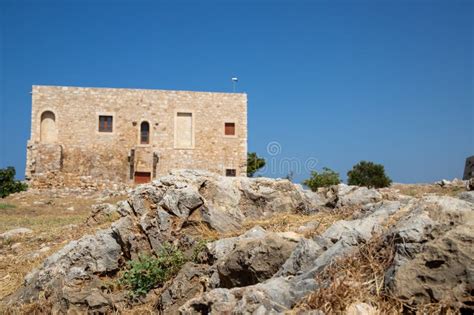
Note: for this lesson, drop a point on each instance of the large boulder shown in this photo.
(254, 260)
(77, 263)
(302, 257)
(434, 259)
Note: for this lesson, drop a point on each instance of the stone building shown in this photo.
(134, 135)
(469, 168)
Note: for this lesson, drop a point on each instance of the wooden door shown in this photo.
(142, 177)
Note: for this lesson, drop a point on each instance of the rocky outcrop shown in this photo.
(253, 261)
(160, 212)
(434, 259)
(259, 271)
(192, 281)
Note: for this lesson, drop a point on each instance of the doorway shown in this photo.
(142, 177)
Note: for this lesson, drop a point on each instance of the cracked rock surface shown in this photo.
(260, 271)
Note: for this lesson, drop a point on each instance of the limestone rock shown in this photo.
(302, 258)
(364, 227)
(468, 196)
(253, 261)
(343, 195)
(191, 282)
(219, 249)
(15, 233)
(162, 211)
(102, 213)
(78, 260)
(434, 254)
(274, 296)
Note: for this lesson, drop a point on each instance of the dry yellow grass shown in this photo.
(281, 222)
(419, 190)
(53, 226)
(354, 279)
(359, 278)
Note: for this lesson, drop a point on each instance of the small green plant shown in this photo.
(6, 206)
(368, 174)
(8, 184)
(324, 179)
(254, 163)
(148, 272)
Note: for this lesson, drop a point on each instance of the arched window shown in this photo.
(144, 133)
(48, 132)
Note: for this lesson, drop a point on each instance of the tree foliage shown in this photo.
(254, 163)
(368, 174)
(326, 178)
(8, 184)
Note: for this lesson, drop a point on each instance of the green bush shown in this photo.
(324, 179)
(148, 272)
(254, 163)
(368, 174)
(8, 184)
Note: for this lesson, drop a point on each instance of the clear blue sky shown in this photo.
(338, 81)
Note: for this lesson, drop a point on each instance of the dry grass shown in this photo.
(359, 278)
(419, 190)
(284, 222)
(54, 223)
(281, 222)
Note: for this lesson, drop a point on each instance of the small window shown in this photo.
(144, 133)
(230, 172)
(105, 123)
(229, 129)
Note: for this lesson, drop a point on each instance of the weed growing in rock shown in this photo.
(148, 272)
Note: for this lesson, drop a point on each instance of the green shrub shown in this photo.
(148, 272)
(368, 174)
(324, 179)
(254, 163)
(8, 184)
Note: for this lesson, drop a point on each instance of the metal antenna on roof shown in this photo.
(234, 83)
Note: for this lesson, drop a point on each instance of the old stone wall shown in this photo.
(68, 118)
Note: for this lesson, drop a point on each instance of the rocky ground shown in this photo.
(250, 246)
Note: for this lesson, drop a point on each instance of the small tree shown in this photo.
(254, 163)
(324, 179)
(8, 184)
(368, 174)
